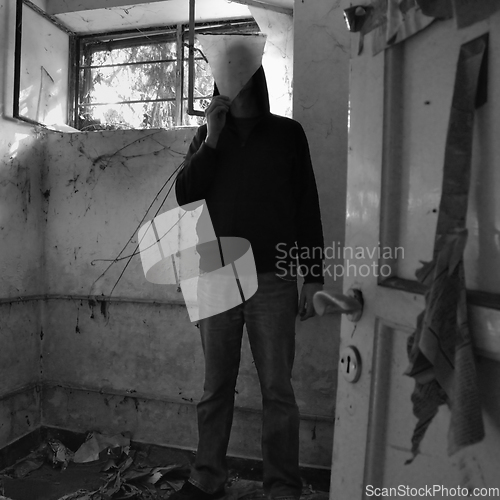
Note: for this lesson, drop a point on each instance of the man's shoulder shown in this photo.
(285, 122)
(283, 119)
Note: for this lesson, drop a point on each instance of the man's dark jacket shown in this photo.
(262, 189)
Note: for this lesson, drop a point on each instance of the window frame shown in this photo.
(83, 44)
(18, 59)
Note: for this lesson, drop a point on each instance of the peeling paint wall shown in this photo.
(71, 203)
(21, 224)
(21, 250)
(320, 104)
(99, 187)
(278, 57)
(138, 344)
(129, 360)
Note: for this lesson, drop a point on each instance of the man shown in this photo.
(254, 171)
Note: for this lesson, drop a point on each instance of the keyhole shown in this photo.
(350, 364)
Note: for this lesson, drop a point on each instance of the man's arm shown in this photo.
(310, 240)
(198, 172)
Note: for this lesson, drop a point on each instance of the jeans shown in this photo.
(269, 316)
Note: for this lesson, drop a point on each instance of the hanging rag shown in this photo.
(440, 350)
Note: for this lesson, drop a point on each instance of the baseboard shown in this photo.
(13, 452)
(169, 423)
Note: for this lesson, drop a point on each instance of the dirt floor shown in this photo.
(134, 471)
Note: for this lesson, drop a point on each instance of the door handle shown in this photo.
(350, 304)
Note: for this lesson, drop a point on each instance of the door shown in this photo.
(400, 102)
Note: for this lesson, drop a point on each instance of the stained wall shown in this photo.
(93, 346)
(21, 254)
(121, 352)
(320, 104)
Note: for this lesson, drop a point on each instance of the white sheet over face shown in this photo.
(233, 59)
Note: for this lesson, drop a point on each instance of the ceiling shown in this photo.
(97, 16)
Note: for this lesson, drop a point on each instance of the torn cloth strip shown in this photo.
(440, 350)
(440, 9)
(468, 12)
(392, 21)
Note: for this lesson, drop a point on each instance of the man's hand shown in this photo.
(216, 118)
(306, 307)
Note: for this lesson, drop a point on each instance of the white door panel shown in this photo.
(400, 103)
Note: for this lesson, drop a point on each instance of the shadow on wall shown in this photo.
(22, 220)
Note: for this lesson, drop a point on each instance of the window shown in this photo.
(139, 79)
(41, 68)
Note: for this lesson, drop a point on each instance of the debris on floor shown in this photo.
(59, 453)
(124, 476)
(108, 468)
(96, 443)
